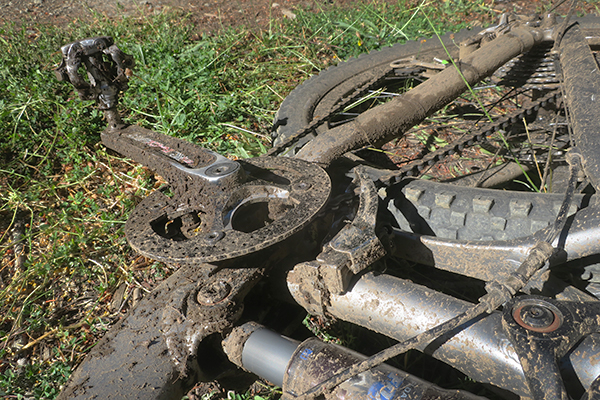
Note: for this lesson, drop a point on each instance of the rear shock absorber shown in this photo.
(297, 367)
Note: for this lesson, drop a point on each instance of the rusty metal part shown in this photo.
(378, 126)
(582, 96)
(401, 309)
(539, 348)
(217, 208)
(107, 77)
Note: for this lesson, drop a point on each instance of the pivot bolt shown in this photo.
(537, 317)
(213, 293)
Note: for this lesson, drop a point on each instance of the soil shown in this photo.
(209, 16)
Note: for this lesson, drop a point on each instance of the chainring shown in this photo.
(278, 198)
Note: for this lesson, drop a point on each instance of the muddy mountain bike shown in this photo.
(499, 285)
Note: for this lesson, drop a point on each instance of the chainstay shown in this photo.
(544, 77)
(415, 167)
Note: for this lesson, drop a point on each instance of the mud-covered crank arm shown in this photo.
(214, 210)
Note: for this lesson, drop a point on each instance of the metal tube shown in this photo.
(402, 309)
(267, 354)
(260, 351)
(297, 367)
(387, 121)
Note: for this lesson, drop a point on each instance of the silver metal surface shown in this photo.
(401, 309)
(267, 354)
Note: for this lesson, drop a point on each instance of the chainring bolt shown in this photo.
(213, 293)
(301, 186)
(214, 236)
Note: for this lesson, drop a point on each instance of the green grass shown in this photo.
(72, 196)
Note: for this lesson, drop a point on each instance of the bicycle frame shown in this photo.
(229, 224)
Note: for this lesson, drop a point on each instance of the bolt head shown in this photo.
(213, 293)
(537, 316)
(222, 169)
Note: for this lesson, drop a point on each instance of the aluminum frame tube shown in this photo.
(401, 309)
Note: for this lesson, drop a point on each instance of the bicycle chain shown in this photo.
(414, 167)
(543, 78)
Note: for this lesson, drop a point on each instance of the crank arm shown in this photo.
(174, 159)
(153, 352)
(215, 208)
(133, 358)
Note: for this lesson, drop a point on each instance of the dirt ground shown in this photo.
(209, 16)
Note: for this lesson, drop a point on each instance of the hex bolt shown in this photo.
(213, 293)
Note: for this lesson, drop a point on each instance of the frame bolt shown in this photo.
(537, 317)
(213, 293)
(222, 169)
(214, 236)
